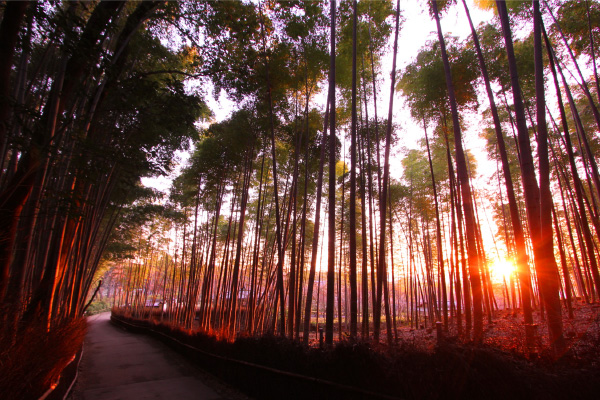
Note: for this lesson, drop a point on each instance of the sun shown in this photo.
(503, 267)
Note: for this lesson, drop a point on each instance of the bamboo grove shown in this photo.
(293, 214)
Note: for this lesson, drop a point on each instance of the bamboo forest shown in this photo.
(336, 199)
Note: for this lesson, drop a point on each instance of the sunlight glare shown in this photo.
(503, 268)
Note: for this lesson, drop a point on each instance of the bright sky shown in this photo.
(417, 29)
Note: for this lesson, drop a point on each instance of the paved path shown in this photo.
(117, 364)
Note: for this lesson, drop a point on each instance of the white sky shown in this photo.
(417, 29)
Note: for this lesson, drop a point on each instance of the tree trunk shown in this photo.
(280, 250)
(353, 285)
(315, 241)
(538, 209)
(382, 272)
(331, 208)
(548, 275)
(463, 181)
(236, 264)
(438, 227)
(523, 272)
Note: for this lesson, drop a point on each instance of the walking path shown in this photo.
(117, 364)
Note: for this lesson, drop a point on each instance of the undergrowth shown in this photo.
(454, 370)
(32, 360)
(98, 307)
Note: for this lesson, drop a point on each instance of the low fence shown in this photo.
(256, 380)
(66, 380)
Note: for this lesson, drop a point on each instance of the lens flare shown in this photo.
(503, 268)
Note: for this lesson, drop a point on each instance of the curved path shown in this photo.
(117, 364)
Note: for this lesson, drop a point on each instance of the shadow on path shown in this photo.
(117, 364)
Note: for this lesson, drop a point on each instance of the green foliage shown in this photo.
(418, 180)
(144, 120)
(492, 46)
(155, 115)
(221, 151)
(133, 223)
(232, 32)
(373, 32)
(587, 117)
(572, 17)
(98, 306)
(236, 40)
(341, 169)
(442, 5)
(423, 81)
(489, 134)
(520, 8)
(399, 195)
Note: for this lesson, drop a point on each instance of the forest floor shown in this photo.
(506, 332)
(419, 366)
